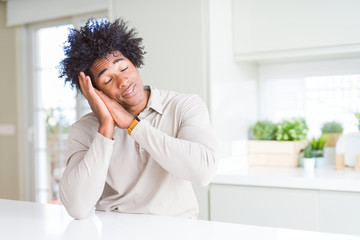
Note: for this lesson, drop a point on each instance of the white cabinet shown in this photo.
(316, 210)
(202, 196)
(300, 28)
(263, 206)
(339, 212)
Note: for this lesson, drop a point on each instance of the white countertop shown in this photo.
(320, 179)
(26, 220)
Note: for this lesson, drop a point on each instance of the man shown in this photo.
(140, 148)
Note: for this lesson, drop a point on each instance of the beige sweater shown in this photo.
(150, 171)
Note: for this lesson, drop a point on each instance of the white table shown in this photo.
(26, 220)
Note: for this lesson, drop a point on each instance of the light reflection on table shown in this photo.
(26, 220)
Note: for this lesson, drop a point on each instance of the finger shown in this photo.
(102, 95)
(86, 85)
(81, 77)
(105, 97)
(109, 102)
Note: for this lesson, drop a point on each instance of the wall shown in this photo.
(9, 177)
(24, 12)
(233, 85)
(174, 34)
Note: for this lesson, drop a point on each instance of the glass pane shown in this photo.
(55, 107)
(318, 99)
(49, 45)
(85, 107)
(51, 91)
(55, 110)
(332, 98)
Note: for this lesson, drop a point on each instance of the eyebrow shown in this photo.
(105, 69)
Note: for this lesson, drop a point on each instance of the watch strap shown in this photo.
(133, 124)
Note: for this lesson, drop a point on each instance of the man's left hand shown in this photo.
(122, 118)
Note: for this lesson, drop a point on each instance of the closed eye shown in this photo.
(108, 81)
(124, 69)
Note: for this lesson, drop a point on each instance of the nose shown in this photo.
(122, 82)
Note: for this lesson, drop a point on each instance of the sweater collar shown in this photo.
(154, 101)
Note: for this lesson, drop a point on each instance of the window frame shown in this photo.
(30, 91)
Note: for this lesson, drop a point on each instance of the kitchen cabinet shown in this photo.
(276, 207)
(280, 29)
(339, 212)
(202, 196)
(316, 210)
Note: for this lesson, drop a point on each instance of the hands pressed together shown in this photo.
(108, 111)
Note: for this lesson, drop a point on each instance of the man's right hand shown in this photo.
(98, 106)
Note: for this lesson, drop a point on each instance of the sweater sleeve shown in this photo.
(84, 178)
(191, 154)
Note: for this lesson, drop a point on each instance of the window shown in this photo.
(55, 110)
(332, 98)
(319, 98)
(55, 107)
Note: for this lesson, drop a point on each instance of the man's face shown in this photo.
(118, 78)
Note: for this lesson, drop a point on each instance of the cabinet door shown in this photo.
(275, 207)
(340, 212)
(202, 196)
(281, 28)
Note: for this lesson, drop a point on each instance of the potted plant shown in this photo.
(294, 129)
(308, 159)
(264, 130)
(277, 144)
(331, 131)
(318, 145)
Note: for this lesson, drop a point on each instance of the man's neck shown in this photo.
(139, 108)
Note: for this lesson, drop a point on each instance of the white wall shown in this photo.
(29, 11)
(175, 39)
(233, 85)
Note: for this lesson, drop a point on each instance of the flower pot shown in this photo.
(309, 164)
(331, 139)
(319, 162)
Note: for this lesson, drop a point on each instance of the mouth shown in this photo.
(130, 91)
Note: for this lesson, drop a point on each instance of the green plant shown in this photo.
(332, 127)
(292, 130)
(357, 115)
(264, 130)
(318, 146)
(308, 151)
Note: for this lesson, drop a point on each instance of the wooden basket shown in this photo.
(275, 153)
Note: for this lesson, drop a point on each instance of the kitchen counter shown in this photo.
(26, 220)
(320, 179)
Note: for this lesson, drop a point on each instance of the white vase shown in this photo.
(309, 164)
(348, 144)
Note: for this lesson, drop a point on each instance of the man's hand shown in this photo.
(122, 118)
(98, 106)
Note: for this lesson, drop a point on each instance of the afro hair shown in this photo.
(95, 40)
